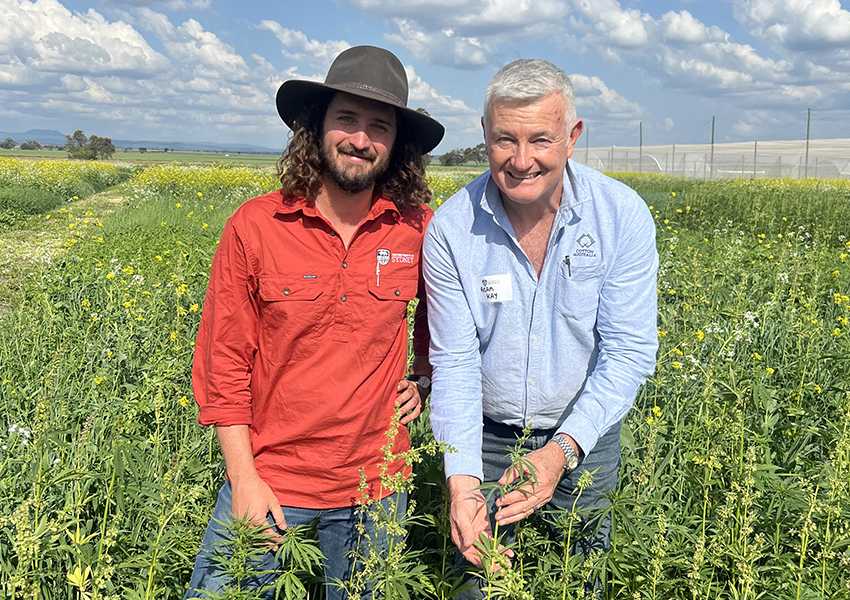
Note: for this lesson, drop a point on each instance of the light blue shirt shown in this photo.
(566, 351)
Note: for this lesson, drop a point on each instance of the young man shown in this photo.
(542, 307)
(302, 351)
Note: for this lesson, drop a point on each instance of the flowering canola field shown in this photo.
(736, 458)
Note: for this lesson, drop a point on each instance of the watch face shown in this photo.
(572, 462)
(424, 381)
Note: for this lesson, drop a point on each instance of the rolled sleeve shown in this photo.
(227, 338)
(456, 414)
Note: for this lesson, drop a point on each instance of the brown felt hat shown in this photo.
(368, 72)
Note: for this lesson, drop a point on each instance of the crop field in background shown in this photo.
(736, 457)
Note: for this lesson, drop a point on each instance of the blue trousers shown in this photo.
(336, 530)
(588, 536)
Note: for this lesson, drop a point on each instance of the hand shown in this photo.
(253, 499)
(469, 519)
(408, 401)
(544, 473)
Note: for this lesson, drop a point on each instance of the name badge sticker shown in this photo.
(494, 288)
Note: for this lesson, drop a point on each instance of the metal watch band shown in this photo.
(570, 456)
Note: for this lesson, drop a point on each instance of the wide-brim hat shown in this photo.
(368, 72)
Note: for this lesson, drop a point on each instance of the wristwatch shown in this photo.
(570, 456)
(422, 381)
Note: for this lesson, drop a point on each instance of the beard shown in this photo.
(352, 178)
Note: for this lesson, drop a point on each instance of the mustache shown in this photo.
(366, 154)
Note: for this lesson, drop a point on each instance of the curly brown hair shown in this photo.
(300, 166)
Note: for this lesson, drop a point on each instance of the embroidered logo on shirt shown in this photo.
(494, 288)
(383, 257)
(403, 258)
(585, 242)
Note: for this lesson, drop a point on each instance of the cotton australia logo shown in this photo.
(585, 244)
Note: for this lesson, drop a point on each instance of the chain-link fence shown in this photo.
(795, 158)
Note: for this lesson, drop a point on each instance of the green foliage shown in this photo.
(77, 146)
(18, 202)
(736, 458)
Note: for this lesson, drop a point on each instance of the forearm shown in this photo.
(235, 441)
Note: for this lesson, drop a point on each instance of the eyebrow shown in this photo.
(354, 113)
(534, 134)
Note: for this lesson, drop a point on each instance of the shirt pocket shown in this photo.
(291, 316)
(577, 291)
(388, 312)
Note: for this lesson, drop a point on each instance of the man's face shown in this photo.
(357, 141)
(528, 145)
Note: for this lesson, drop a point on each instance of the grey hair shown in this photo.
(529, 79)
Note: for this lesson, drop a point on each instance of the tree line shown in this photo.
(77, 146)
(460, 156)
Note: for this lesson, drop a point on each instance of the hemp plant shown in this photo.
(239, 559)
(384, 565)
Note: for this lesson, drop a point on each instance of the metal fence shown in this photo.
(796, 158)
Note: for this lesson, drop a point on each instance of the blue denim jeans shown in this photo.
(593, 533)
(336, 529)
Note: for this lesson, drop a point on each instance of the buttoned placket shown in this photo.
(346, 284)
(535, 367)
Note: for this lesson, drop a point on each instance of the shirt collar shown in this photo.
(293, 204)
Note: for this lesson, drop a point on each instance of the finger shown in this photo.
(277, 514)
(510, 474)
(411, 416)
(405, 395)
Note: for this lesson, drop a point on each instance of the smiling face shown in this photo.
(528, 144)
(357, 141)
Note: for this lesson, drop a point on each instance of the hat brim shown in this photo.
(295, 95)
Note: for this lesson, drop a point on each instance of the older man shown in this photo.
(541, 284)
(302, 351)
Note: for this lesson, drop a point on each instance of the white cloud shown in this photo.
(441, 47)
(594, 98)
(802, 24)
(467, 33)
(807, 93)
(190, 43)
(46, 37)
(742, 128)
(669, 124)
(422, 95)
(300, 48)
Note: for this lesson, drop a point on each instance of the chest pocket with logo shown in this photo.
(390, 300)
(577, 291)
(291, 314)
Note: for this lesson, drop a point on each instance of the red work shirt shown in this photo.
(305, 341)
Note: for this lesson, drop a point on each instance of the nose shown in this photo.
(359, 139)
(522, 159)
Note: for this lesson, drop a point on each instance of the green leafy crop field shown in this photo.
(736, 458)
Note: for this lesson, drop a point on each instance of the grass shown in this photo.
(736, 458)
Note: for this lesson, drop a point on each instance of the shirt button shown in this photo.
(344, 265)
(530, 382)
(333, 233)
(534, 336)
(286, 292)
(397, 293)
(343, 298)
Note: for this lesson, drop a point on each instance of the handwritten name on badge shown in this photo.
(494, 288)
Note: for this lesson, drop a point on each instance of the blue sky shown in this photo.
(207, 70)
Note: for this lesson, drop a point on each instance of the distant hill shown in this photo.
(50, 136)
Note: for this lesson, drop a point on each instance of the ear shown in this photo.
(578, 127)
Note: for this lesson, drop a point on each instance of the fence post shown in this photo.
(674, 159)
(640, 150)
(755, 156)
(808, 135)
(711, 171)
